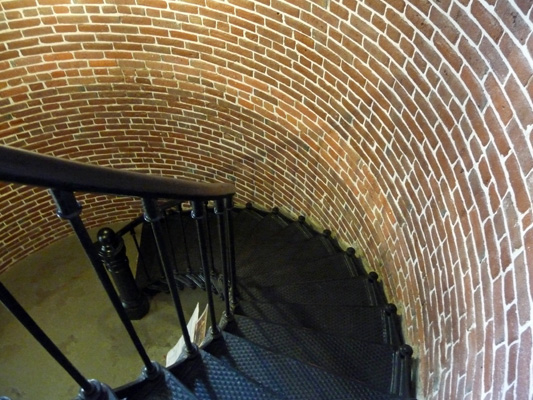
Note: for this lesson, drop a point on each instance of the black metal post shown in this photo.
(220, 211)
(90, 389)
(198, 213)
(231, 250)
(70, 209)
(152, 214)
(112, 252)
(141, 256)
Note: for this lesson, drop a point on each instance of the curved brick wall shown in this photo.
(405, 127)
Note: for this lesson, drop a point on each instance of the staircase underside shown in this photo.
(309, 322)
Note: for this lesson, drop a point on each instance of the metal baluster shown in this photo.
(214, 272)
(141, 256)
(210, 241)
(70, 209)
(220, 211)
(190, 274)
(198, 213)
(181, 277)
(90, 389)
(231, 249)
(152, 214)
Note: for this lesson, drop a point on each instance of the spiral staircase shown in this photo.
(301, 320)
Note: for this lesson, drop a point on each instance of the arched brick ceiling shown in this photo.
(405, 127)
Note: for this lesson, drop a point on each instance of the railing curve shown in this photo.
(21, 166)
(63, 178)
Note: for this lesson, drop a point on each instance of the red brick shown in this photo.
(488, 22)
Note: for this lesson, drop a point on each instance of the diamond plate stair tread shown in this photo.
(209, 378)
(367, 362)
(329, 267)
(287, 376)
(348, 292)
(362, 323)
(169, 388)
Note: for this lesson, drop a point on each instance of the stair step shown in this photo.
(168, 387)
(358, 291)
(371, 324)
(305, 251)
(371, 363)
(290, 235)
(287, 376)
(263, 230)
(244, 222)
(332, 266)
(209, 378)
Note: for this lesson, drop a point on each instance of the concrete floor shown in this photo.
(60, 290)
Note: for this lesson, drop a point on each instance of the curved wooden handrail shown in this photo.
(25, 167)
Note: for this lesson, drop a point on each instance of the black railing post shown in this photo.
(220, 211)
(231, 250)
(193, 277)
(112, 252)
(152, 214)
(198, 213)
(70, 209)
(90, 389)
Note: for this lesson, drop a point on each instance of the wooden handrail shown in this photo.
(25, 167)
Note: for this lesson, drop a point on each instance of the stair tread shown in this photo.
(270, 225)
(331, 266)
(355, 291)
(290, 235)
(364, 323)
(371, 363)
(209, 378)
(169, 388)
(304, 251)
(288, 376)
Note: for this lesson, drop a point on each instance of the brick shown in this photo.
(488, 22)
(500, 104)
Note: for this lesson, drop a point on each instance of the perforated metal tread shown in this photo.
(362, 323)
(209, 378)
(244, 222)
(261, 235)
(359, 291)
(367, 362)
(290, 235)
(167, 388)
(304, 251)
(289, 377)
(332, 266)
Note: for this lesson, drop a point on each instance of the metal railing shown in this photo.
(63, 178)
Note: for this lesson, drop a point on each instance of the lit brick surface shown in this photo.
(404, 127)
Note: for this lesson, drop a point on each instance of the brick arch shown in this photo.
(405, 127)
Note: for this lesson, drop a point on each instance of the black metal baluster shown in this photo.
(198, 213)
(231, 249)
(210, 241)
(220, 211)
(70, 209)
(190, 274)
(152, 214)
(214, 272)
(90, 389)
(141, 256)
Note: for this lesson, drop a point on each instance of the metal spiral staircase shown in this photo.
(302, 319)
